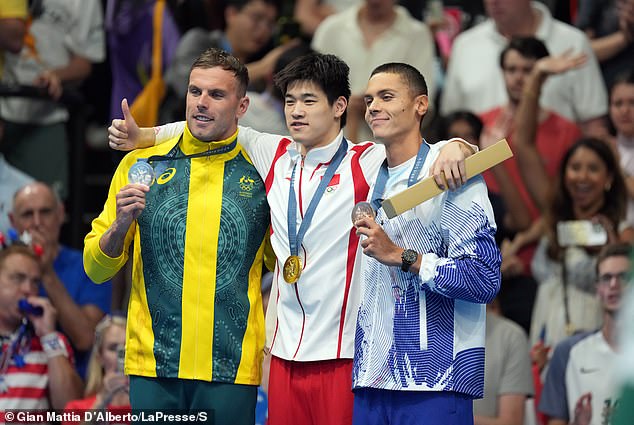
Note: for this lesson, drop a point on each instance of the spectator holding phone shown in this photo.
(106, 387)
(590, 188)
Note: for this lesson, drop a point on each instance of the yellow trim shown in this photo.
(252, 353)
(192, 145)
(14, 9)
(199, 275)
(139, 333)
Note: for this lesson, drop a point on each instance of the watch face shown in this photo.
(409, 256)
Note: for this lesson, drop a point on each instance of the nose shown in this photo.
(297, 110)
(372, 107)
(203, 102)
(37, 220)
(28, 288)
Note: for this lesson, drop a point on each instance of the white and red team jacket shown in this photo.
(316, 317)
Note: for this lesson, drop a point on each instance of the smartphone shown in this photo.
(581, 233)
(120, 359)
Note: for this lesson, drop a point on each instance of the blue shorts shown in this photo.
(385, 407)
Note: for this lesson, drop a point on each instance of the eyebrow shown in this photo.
(301, 95)
(381, 92)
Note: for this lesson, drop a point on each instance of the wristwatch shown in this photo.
(408, 257)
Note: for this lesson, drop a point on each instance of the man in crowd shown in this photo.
(37, 369)
(580, 385)
(38, 212)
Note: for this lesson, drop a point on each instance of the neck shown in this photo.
(588, 212)
(401, 150)
(325, 141)
(376, 15)
(609, 329)
(524, 23)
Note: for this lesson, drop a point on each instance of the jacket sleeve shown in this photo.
(470, 267)
(98, 266)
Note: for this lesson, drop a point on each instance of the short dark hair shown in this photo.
(410, 75)
(462, 115)
(328, 72)
(527, 47)
(626, 77)
(618, 249)
(214, 57)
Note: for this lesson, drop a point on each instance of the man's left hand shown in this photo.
(449, 166)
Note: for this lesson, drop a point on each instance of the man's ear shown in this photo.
(340, 106)
(422, 103)
(243, 106)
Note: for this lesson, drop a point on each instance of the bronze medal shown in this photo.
(292, 269)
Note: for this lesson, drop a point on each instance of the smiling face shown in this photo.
(213, 104)
(311, 120)
(392, 111)
(622, 108)
(586, 179)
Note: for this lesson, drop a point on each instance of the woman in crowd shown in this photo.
(590, 188)
(106, 386)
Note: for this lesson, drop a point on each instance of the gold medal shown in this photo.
(292, 269)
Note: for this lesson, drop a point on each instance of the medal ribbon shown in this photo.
(295, 237)
(381, 179)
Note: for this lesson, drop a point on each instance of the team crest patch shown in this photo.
(246, 186)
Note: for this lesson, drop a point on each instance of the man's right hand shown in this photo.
(558, 64)
(126, 135)
(130, 203)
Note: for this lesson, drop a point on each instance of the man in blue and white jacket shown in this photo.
(427, 276)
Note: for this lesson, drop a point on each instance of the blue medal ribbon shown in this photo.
(381, 179)
(295, 237)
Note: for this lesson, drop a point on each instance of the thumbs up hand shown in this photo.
(126, 135)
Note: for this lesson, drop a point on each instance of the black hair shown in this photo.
(328, 72)
(527, 47)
